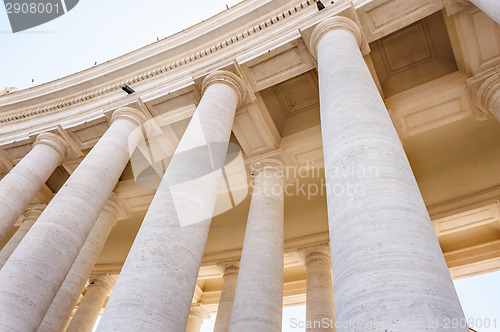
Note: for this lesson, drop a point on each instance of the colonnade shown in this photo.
(386, 263)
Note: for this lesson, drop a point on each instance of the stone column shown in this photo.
(100, 286)
(62, 306)
(484, 93)
(36, 270)
(387, 263)
(229, 278)
(21, 184)
(258, 300)
(490, 7)
(159, 276)
(320, 308)
(196, 315)
(34, 211)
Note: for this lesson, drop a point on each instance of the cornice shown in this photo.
(159, 70)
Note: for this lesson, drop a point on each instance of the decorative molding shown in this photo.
(472, 269)
(464, 203)
(430, 105)
(489, 214)
(382, 17)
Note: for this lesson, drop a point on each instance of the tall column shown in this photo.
(490, 7)
(229, 278)
(387, 263)
(32, 276)
(159, 276)
(34, 211)
(21, 184)
(100, 286)
(258, 300)
(62, 306)
(196, 315)
(320, 308)
(484, 92)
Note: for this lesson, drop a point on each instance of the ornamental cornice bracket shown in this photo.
(482, 90)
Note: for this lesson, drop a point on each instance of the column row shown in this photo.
(381, 240)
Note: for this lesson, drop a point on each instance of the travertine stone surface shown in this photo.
(258, 299)
(387, 264)
(490, 7)
(196, 316)
(159, 276)
(100, 286)
(32, 215)
(36, 270)
(230, 277)
(62, 306)
(20, 185)
(320, 308)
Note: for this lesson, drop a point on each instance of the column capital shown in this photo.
(270, 166)
(129, 113)
(484, 92)
(321, 250)
(332, 23)
(228, 267)
(228, 78)
(34, 211)
(116, 208)
(102, 279)
(54, 141)
(198, 310)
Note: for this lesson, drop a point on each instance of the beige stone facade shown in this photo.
(275, 154)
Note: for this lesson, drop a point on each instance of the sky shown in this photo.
(97, 31)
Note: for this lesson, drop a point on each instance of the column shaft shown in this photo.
(224, 311)
(85, 317)
(320, 308)
(387, 263)
(21, 184)
(31, 216)
(36, 270)
(159, 276)
(62, 306)
(490, 7)
(258, 300)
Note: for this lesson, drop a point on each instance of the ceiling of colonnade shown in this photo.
(420, 73)
(450, 161)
